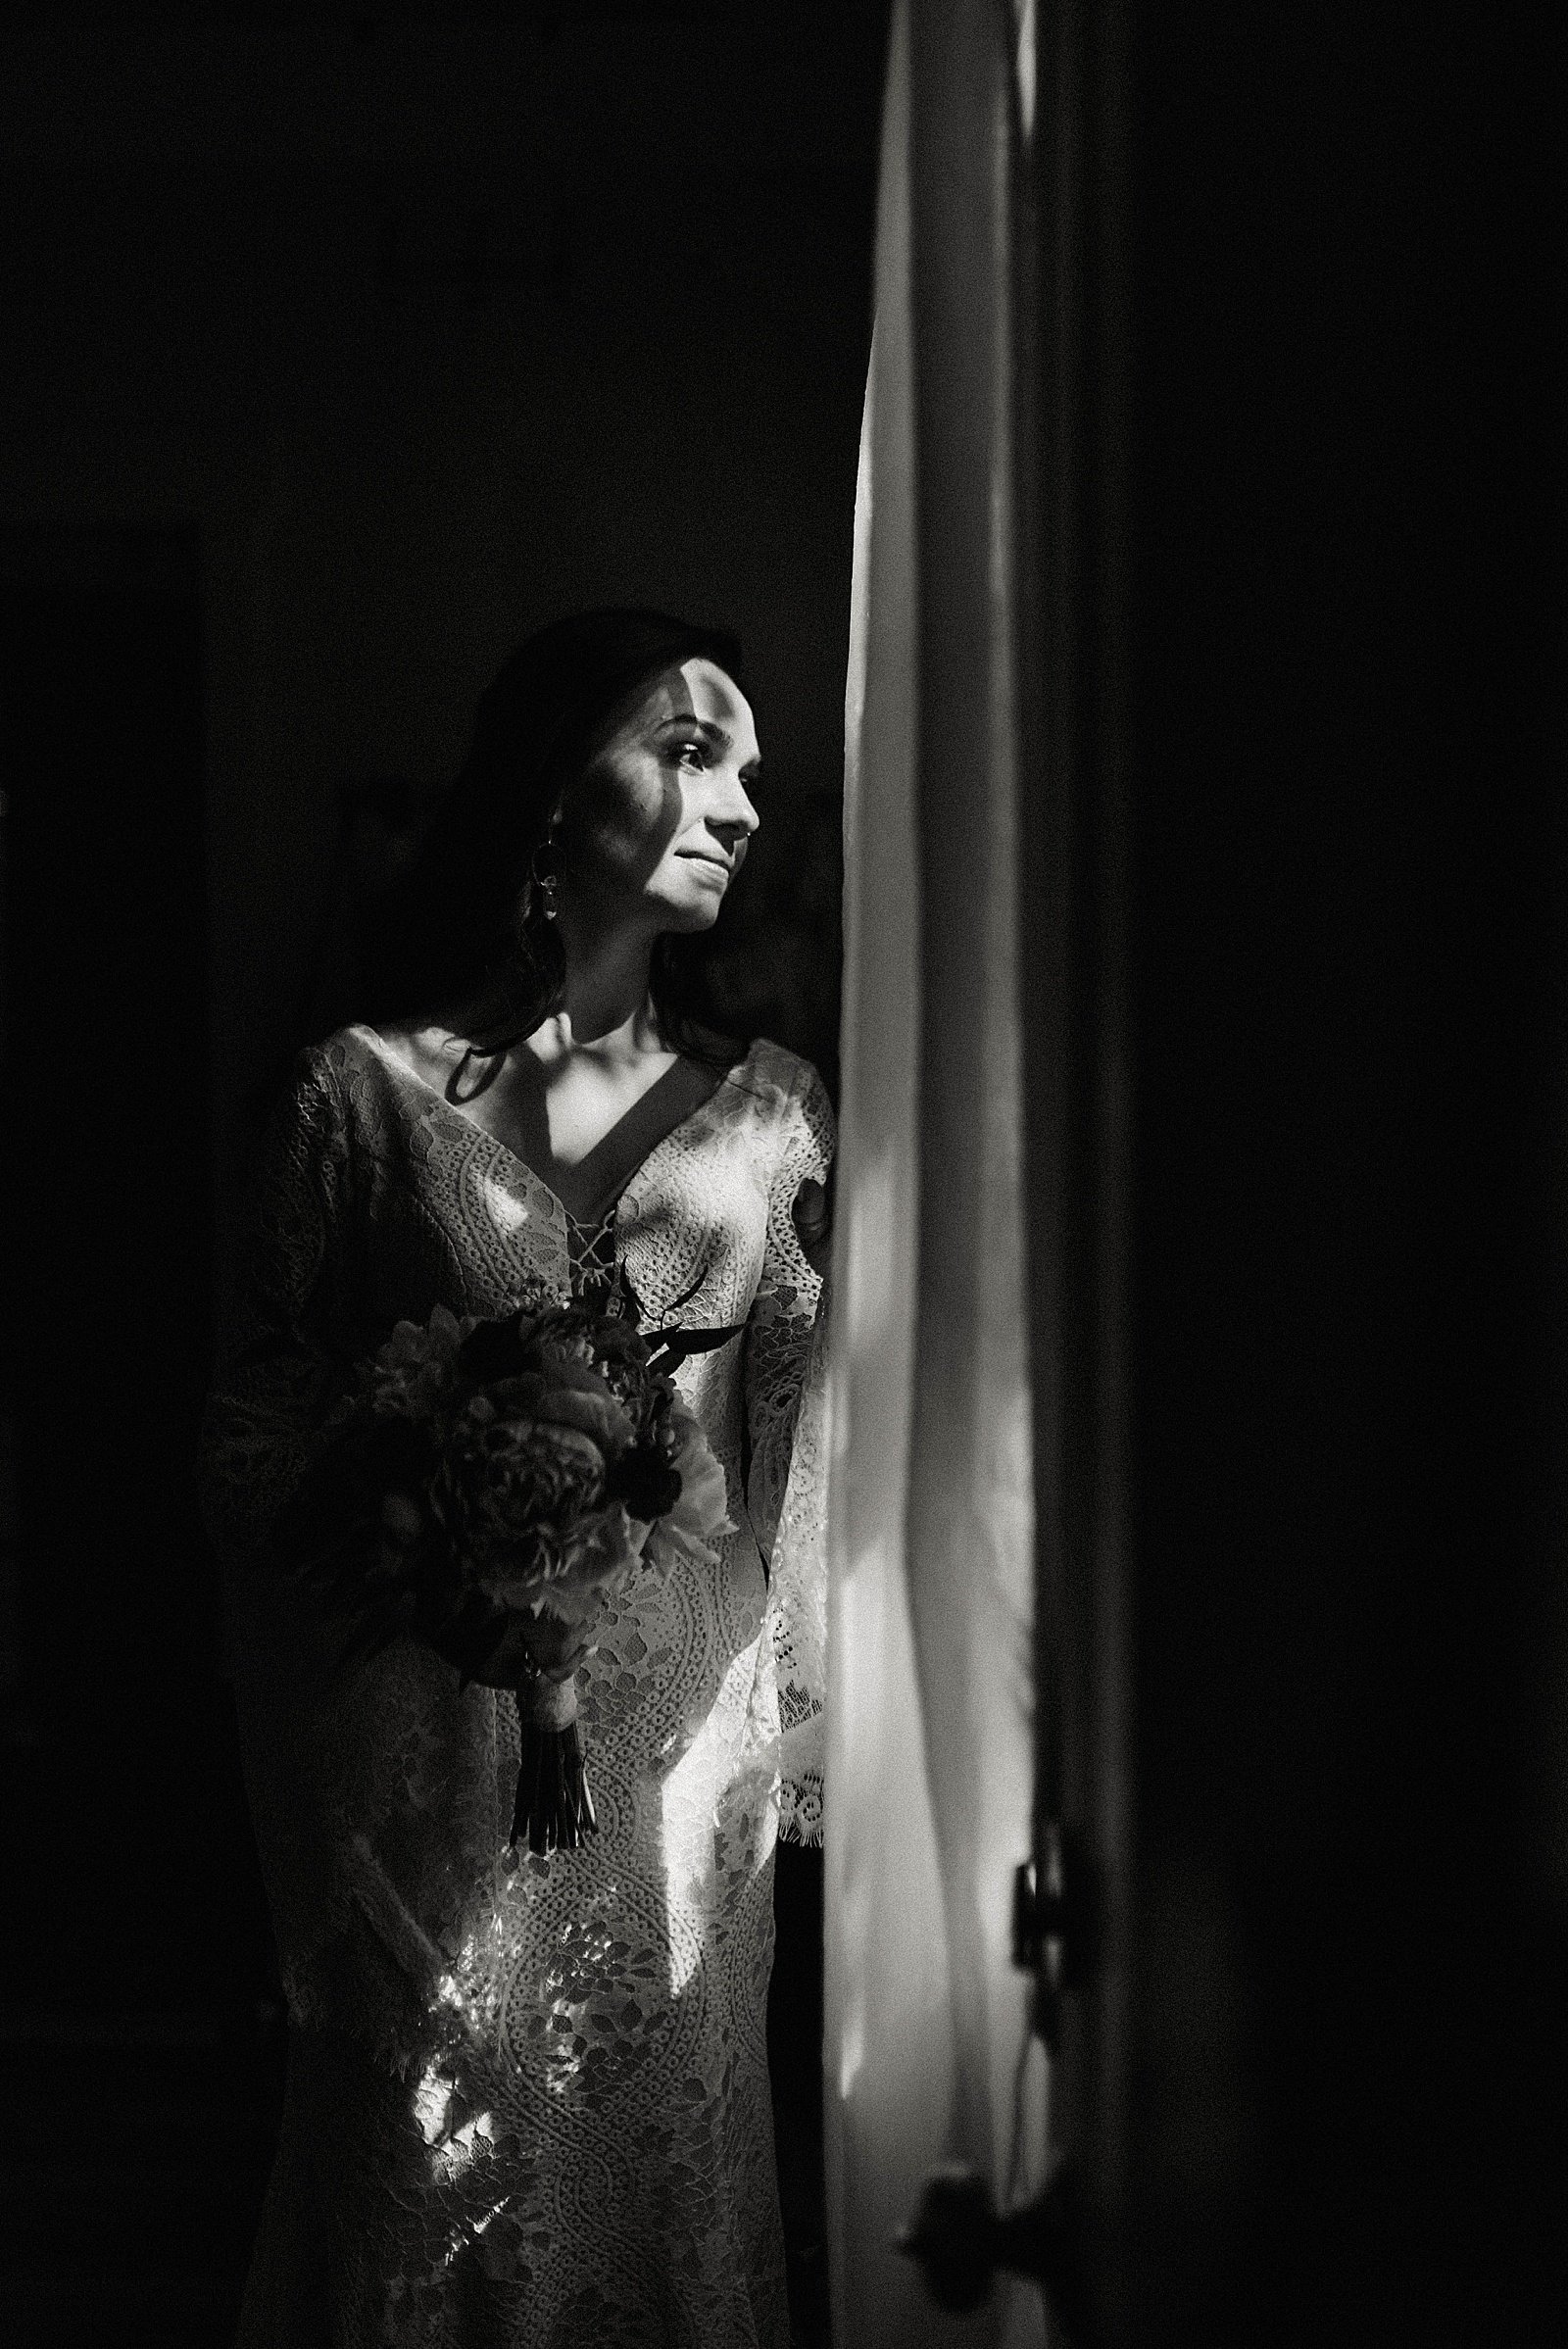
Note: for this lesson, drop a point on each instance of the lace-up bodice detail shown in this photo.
(592, 1261)
(530, 2108)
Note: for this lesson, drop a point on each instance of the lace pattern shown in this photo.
(593, 1264)
(532, 2105)
(786, 1398)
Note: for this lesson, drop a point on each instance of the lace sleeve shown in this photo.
(285, 1368)
(323, 1747)
(786, 1364)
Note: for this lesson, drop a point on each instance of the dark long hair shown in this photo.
(466, 927)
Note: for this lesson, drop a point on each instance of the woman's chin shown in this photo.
(684, 915)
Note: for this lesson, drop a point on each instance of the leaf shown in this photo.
(676, 1345)
(631, 1303)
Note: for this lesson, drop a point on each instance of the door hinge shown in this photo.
(1054, 1923)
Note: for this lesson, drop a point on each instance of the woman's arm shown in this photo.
(778, 1335)
(786, 1365)
(285, 1369)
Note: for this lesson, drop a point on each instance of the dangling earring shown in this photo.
(545, 883)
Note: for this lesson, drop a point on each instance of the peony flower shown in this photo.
(602, 1549)
(597, 1415)
(700, 1517)
(510, 1492)
(418, 1368)
(566, 1394)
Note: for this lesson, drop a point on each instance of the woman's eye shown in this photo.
(694, 752)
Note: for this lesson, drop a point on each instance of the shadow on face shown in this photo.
(655, 825)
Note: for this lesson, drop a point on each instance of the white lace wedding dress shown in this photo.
(528, 2104)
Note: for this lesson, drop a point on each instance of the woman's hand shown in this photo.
(531, 1645)
(812, 1216)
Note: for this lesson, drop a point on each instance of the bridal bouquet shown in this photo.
(495, 1490)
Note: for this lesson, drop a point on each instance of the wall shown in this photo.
(1346, 551)
(435, 329)
(428, 329)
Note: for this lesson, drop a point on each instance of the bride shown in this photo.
(527, 2099)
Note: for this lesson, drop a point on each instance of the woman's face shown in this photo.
(656, 826)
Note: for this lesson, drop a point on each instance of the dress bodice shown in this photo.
(592, 1263)
(378, 1198)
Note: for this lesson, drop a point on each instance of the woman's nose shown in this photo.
(736, 819)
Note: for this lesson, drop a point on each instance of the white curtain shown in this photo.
(929, 1764)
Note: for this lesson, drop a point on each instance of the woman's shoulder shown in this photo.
(751, 1075)
(354, 1077)
(388, 1047)
(785, 1072)
(420, 1049)
(787, 1094)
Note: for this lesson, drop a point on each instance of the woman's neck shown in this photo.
(604, 1001)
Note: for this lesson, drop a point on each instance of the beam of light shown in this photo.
(504, 1207)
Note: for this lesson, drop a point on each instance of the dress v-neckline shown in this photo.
(612, 1205)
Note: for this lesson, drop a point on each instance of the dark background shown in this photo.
(340, 348)
(1345, 471)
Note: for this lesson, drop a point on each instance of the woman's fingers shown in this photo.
(533, 1644)
(814, 1221)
